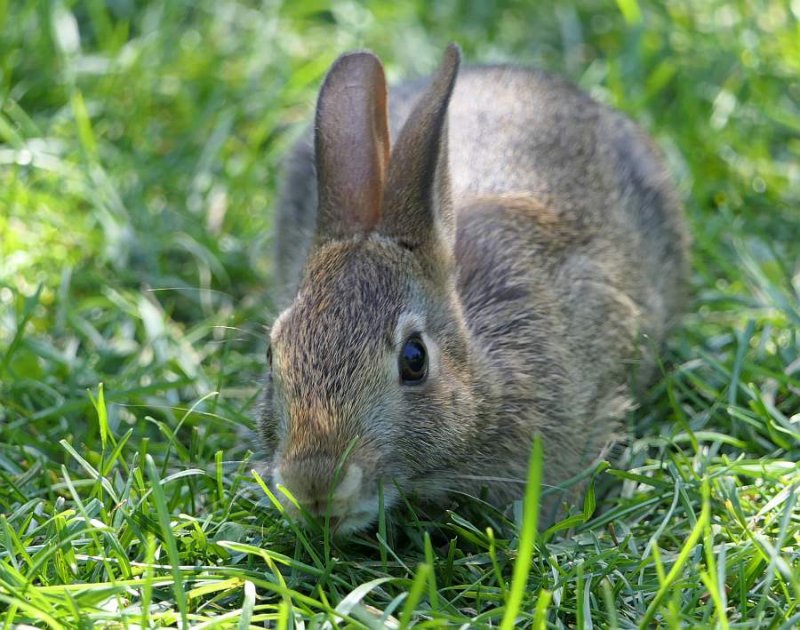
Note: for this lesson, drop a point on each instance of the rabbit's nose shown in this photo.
(317, 485)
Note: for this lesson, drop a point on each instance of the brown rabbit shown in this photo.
(500, 272)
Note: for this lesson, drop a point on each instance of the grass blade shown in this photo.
(168, 538)
(527, 538)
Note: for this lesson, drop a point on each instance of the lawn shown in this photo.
(140, 151)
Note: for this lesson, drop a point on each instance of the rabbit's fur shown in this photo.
(530, 236)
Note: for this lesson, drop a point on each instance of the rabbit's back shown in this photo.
(572, 256)
(600, 209)
(522, 132)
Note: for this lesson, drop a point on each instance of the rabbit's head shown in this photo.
(370, 371)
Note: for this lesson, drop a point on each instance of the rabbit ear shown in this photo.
(352, 146)
(416, 204)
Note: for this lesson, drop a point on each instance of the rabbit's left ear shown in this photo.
(352, 146)
(416, 202)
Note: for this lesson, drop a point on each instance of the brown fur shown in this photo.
(534, 236)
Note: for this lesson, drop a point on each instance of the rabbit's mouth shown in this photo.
(355, 519)
(364, 513)
(351, 506)
(352, 523)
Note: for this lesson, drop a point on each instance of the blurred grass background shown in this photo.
(140, 149)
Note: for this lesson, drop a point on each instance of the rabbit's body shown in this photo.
(569, 251)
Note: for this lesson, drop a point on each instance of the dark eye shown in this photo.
(413, 361)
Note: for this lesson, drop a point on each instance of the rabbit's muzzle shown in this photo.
(326, 489)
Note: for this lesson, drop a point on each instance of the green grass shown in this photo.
(140, 148)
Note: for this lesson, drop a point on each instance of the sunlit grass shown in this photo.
(140, 150)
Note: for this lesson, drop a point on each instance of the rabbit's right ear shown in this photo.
(417, 210)
(352, 146)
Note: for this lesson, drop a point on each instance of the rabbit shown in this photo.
(507, 268)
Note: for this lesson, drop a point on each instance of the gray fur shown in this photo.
(568, 269)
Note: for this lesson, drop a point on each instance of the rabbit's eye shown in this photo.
(413, 361)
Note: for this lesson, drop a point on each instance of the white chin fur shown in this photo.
(364, 514)
(355, 523)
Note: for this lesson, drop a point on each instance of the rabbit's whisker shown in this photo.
(188, 290)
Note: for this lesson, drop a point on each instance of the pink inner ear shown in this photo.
(352, 146)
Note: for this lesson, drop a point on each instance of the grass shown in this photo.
(140, 148)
